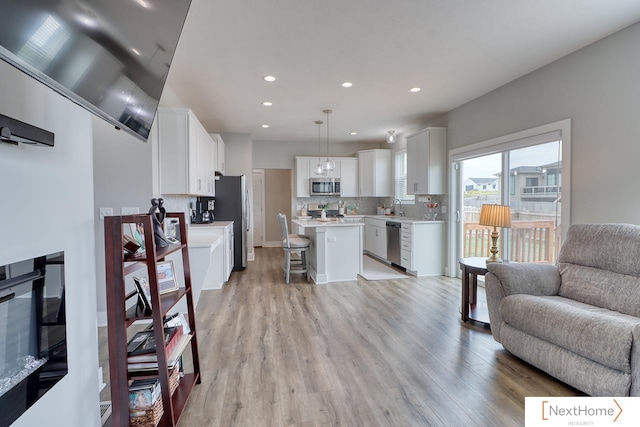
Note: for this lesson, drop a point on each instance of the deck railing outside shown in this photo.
(531, 241)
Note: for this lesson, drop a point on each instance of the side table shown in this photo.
(473, 311)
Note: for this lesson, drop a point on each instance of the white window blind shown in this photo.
(43, 46)
(401, 177)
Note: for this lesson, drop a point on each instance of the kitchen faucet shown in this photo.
(400, 203)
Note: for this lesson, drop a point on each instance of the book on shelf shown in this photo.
(143, 394)
(172, 358)
(144, 342)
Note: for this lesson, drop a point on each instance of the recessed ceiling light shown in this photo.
(347, 84)
(267, 103)
(136, 51)
(353, 133)
(265, 126)
(269, 79)
(142, 3)
(415, 89)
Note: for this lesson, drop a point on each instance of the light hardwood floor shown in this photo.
(379, 353)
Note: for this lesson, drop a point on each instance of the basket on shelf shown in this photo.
(149, 418)
(174, 379)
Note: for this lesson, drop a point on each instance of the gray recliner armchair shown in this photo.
(579, 321)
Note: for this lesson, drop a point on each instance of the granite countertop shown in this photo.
(214, 224)
(405, 219)
(329, 222)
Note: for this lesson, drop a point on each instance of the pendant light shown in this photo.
(318, 168)
(392, 137)
(328, 165)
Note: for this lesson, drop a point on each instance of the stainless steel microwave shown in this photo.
(324, 186)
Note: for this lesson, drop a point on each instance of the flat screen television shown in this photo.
(110, 56)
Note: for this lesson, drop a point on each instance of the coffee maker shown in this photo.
(203, 213)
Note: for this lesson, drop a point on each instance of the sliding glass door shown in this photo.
(525, 173)
(535, 196)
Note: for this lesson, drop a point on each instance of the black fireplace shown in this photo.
(33, 333)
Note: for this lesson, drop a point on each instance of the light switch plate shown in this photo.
(105, 212)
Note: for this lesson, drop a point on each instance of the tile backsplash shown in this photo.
(364, 205)
(179, 203)
(369, 205)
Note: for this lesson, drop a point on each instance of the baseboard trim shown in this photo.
(102, 318)
(275, 244)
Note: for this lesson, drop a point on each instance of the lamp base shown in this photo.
(494, 247)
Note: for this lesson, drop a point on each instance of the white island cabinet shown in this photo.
(335, 254)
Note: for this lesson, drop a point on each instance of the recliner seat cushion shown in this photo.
(596, 333)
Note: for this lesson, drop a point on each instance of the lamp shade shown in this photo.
(495, 216)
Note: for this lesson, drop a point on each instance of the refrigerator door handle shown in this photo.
(246, 208)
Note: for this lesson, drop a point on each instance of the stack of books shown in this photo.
(142, 348)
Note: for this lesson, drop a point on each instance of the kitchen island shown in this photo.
(335, 253)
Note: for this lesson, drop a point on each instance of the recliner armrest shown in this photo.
(526, 278)
(504, 279)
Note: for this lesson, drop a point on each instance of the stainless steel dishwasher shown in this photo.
(393, 242)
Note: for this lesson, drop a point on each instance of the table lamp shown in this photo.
(495, 216)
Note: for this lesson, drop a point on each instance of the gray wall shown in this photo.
(238, 158)
(122, 177)
(598, 87)
(47, 206)
(280, 154)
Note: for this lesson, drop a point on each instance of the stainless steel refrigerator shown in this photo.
(232, 204)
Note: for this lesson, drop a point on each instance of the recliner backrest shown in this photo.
(599, 265)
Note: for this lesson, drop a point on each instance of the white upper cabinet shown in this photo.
(374, 173)
(219, 143)
(349, 177)
(426, 161)
(187, 154)
(302, 175)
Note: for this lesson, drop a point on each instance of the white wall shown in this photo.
(597, 87)
(47, 206)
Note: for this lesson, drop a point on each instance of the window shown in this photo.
(401, 177)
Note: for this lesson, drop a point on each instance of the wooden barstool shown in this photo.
(293, 243)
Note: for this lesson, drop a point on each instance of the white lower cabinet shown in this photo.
(422, 248)
(376, 237)
(211, 254)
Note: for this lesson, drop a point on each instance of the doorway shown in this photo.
(272, 195)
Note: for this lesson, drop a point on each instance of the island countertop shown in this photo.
(329, 222)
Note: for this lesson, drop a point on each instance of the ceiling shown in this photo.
(454, 50)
